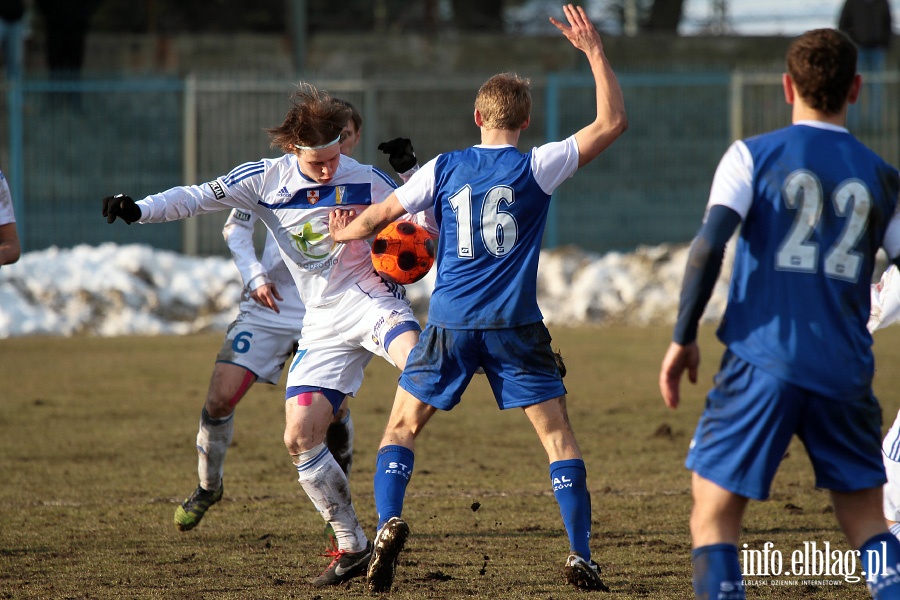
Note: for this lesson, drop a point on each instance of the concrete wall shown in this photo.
(370, 55)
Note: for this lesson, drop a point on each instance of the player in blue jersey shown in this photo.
(351, 313)
(491, 201)
(814, 205)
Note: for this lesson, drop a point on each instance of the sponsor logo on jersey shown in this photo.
(217, 190)
(312, 196)
(241, 215)
(283, 193)
(339, 192)
(312, 244)
(384, 326)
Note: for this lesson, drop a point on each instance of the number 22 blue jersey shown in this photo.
(491, 204)
(800, 290)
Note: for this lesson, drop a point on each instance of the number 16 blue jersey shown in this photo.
(491, 204)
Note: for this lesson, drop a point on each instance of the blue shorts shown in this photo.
(750, 418)
(518, 363)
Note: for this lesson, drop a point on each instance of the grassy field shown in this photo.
(97, 449)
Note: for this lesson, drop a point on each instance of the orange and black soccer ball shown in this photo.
(403, 252)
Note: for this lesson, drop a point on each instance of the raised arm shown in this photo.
(611, 120)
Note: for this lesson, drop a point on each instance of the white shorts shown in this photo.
(892, 489)
(259, 345)
(339, 340)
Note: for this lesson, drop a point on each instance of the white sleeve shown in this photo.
(885, 300)
(212, 196)
(6, 206)
(555, 162)
(423, 217)
(732, 185)
(186, 201)
(238, 234)
(417, 194)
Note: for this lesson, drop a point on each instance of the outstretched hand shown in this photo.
(678, 359)
(121, 206)
(338, 219)
(581, 32)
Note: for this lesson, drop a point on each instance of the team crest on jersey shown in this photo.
(339, 192)
(312, 196)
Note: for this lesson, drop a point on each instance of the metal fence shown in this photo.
(69, 143)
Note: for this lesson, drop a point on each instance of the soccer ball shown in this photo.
(403, 252)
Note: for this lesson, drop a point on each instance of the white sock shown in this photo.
(328, 489)
(213, 440)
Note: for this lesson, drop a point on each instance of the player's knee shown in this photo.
(217, 406)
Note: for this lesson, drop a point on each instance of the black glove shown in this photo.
(400, 154)
(121, 206)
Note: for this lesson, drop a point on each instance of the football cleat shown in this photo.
(188, 515)
(344, 566)
(388, 544)
(584, 575)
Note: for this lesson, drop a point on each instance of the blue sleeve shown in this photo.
(704, 264)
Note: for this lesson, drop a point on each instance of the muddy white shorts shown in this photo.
(262, 346)
(339, 340)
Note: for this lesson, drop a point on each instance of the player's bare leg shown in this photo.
(401, 346)
(551, 422)
(716, 515)
(715, 529)
(859, 514)
(307, 418)
(861, 517)
(228, 385)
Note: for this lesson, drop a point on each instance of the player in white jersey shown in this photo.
(492, 201)
(257, 345)
(351, 313)
(10, 249)
(886, 311)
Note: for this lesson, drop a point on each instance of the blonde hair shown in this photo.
(504, 101)
(315, 118)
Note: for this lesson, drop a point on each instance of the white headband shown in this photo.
(336, 140)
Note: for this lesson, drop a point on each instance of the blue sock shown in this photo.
(569, 479)
(393, 468)
(880, 557)
(717, 572)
